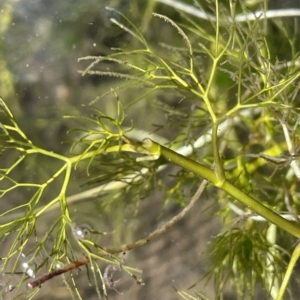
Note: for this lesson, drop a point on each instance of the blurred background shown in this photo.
(40, 44)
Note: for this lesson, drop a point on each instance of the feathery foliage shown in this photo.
(233, 106)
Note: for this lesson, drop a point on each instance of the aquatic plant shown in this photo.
(232, 104)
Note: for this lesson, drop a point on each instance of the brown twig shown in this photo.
(85, 260)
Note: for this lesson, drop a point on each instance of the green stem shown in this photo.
(219, 171)
(289, 271)
(195, 167)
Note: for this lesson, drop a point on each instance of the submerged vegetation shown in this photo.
(229, 99)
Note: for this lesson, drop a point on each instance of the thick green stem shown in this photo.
(195, 167)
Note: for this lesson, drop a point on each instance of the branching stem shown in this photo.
(139, 243)
(197, 168)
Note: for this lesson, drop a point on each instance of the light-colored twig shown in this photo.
(291, 148)
(252, 16)
(255, 217)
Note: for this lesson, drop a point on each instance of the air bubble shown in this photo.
(57, 265)
(5, 288)
(81, 231)
(27, 267)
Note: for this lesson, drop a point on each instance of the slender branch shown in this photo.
(185, 150)
(289, 272)
(291, 148)
(85, 260)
